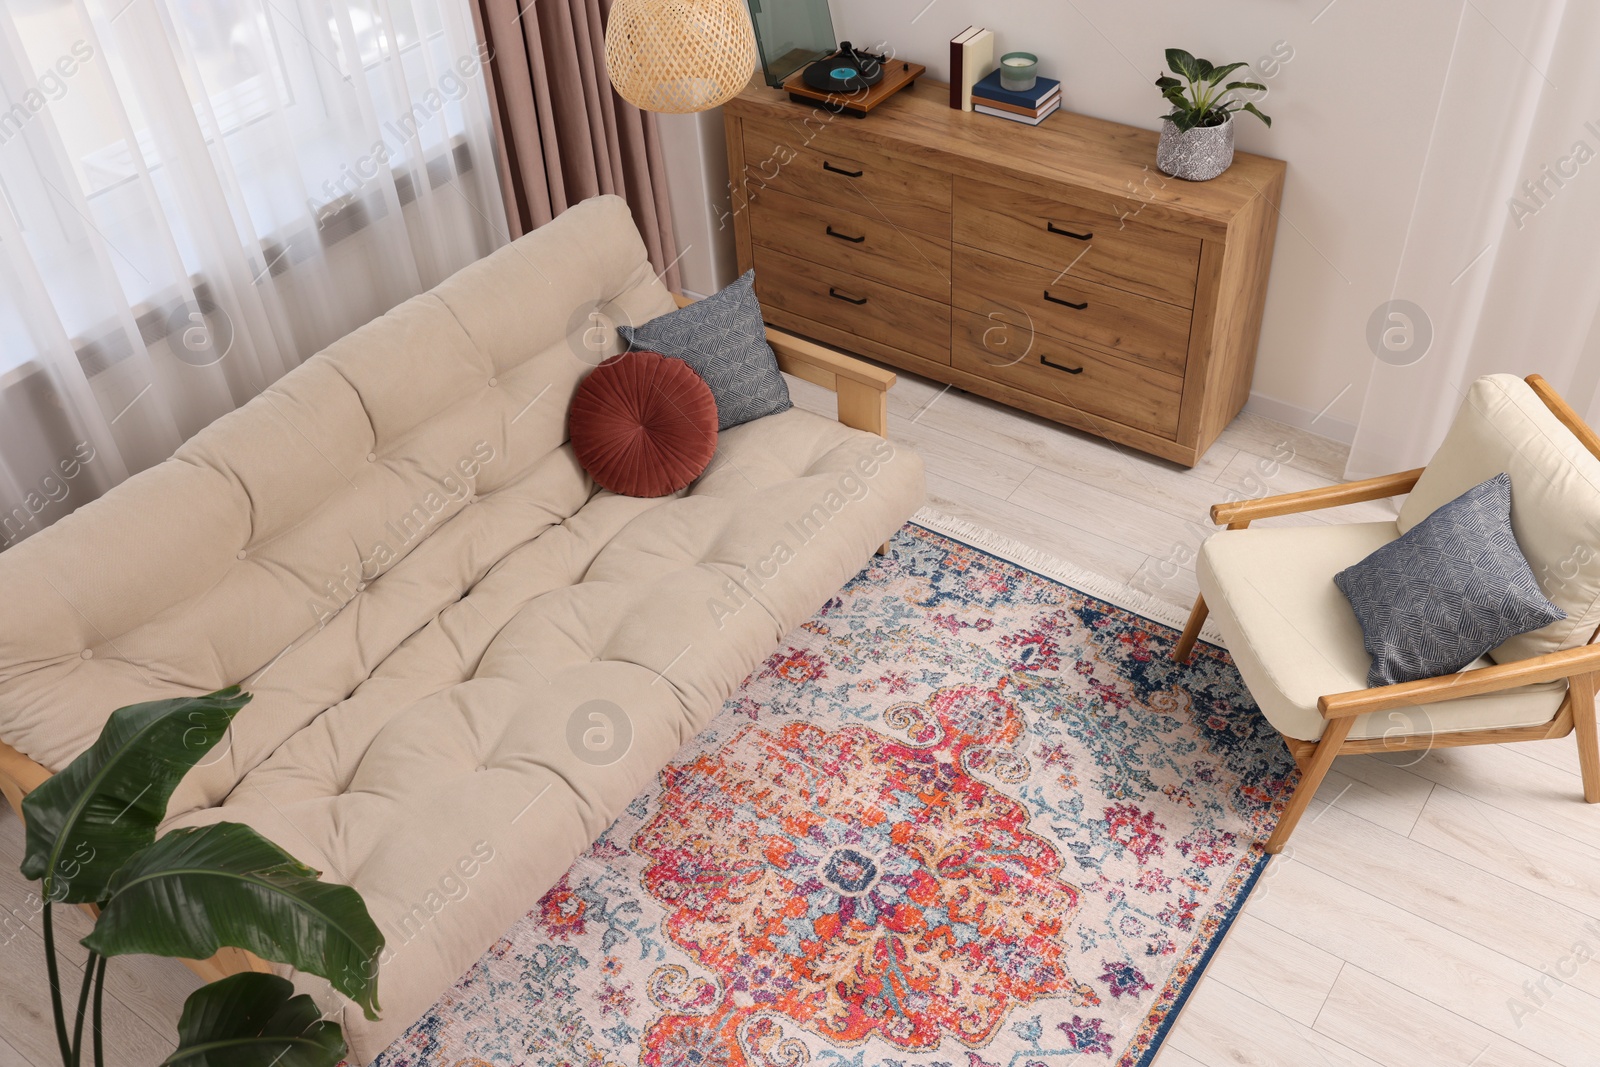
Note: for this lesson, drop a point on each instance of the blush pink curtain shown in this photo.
(564, 134)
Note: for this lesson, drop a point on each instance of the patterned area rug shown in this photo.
(967, 816)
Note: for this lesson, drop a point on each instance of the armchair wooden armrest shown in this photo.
(1567, 663)
(1238, 514)
(1332, 496)
(863, 389)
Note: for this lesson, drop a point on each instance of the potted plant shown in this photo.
(91, 840)
(1197, 135)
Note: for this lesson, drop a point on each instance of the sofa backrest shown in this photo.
(266, 535)
(1504, 426)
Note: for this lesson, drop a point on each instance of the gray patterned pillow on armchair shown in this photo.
(1452, 588)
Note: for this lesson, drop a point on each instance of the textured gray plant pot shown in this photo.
(1195, 155)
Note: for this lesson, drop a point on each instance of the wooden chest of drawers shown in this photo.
(1050, 268)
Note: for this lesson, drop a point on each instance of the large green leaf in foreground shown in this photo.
(196, 890)
(105, 805)
(254, 1020)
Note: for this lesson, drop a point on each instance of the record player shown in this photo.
(801, 55)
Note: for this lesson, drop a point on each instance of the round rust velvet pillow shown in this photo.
(643, 424)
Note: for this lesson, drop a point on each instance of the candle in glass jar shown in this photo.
(1019, 71)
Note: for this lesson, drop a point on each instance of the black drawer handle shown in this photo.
(1065, 303)
(847, 299)
(846, 237)
(847, 173)
(1053, 228)
(1070, 370)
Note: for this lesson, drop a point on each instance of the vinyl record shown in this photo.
(846, 71)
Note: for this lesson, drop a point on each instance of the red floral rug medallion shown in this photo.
(967, 817)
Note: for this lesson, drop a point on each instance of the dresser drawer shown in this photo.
(848, 241)
(829, 166)
(1040, 299)
(1088, 244)
(847, 302)
(1091, 383)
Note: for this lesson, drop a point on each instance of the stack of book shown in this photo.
(1031, 106)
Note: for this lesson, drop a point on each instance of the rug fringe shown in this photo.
(1108, 589)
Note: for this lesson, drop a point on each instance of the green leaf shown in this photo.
(198, 889)
(1257, 113)
(1216, 74)
(1167, 82)
(104, 806)
(1183, 120)
(1178, 100)
(1202, 69)
(1246, 85)
(254, 1020)
(1181, 62)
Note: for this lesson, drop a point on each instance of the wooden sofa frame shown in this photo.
(863, 391)
(1580, 666)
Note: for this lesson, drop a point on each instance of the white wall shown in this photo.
(1352, 104)
(696, 157)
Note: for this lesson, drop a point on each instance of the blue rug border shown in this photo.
(1205, 961)
(1052, 578)
(1232, 914)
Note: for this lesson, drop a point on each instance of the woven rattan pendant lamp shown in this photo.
(677, 56)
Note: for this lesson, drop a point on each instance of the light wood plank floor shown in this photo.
(1428, 912)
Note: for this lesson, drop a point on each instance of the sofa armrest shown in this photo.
(19, 775)
(863, 389)
(1550, 667)
(1332, 496)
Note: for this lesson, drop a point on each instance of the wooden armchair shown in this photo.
(1298, 646)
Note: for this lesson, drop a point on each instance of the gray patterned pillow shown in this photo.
(723, 338)
(1455, 586)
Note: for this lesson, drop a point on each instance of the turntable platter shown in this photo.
(848, 70)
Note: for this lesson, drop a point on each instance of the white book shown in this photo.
(984, 109)
(977, 60)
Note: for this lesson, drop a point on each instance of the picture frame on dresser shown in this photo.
(1051, 268)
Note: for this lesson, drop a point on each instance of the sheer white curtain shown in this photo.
(1502, 255)
(198, 195)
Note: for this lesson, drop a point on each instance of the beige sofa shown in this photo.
(466, 658)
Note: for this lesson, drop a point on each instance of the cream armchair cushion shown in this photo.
(1555, 500)
(1295, 639)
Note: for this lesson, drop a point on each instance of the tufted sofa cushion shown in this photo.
(395, 549)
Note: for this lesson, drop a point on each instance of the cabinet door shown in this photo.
(829, 165)
(858, 306)
(1043, 300)
(847, 240)
(1090, 383)
(1117, 251)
